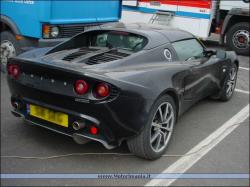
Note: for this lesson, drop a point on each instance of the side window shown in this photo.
(188, 49)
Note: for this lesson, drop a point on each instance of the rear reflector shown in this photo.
(93, 130)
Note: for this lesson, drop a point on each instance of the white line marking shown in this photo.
(244, 68)
(242, 91)
(185, 163)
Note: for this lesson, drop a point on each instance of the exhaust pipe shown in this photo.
(16, 105)
(77, 126)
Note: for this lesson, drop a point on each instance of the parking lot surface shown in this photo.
(230, 155)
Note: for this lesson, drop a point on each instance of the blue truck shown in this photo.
(43, 23)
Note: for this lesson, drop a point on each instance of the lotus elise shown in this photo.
(121, 83)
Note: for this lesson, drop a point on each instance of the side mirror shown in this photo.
(209, 52)
(221, 54)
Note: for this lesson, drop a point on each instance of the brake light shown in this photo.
(81, 87)
(101, 90)
(13, 70)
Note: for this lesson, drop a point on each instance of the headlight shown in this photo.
(50, 31)
(54, 32)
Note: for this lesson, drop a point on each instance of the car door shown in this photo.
(202, 78)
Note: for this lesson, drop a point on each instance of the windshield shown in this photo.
(118, 40)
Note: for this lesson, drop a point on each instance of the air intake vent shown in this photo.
(106, 57)
(81, 52)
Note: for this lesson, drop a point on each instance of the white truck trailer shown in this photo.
(229, 19)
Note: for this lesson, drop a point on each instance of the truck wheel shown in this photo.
(152, 142)
(9, 48)
(237, 38)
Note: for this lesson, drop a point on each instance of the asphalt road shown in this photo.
(231, 155)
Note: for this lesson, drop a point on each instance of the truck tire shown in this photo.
(152, 142)
(9, 48)
(237, 38)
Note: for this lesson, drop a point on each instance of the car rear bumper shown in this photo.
(116, 120)
(78, 137)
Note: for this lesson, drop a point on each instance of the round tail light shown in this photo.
(102, 90)
(81, 87)
(13, 70)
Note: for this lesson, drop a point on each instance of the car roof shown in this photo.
(157, 34)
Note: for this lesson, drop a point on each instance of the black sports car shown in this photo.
(122, 83)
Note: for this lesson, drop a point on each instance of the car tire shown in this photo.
(229, 83)
(9, 48)
(143, 144)
(237, 38)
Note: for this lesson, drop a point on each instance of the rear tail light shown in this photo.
(81, 87)
(13, 70)
(101, 90)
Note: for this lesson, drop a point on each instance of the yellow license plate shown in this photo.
(58, 118)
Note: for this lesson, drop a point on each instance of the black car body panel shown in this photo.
(136, 80)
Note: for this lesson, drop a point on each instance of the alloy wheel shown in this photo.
(231, 82)
(162, 127)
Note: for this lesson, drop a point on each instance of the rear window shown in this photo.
(119, 40)
(187, 49)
